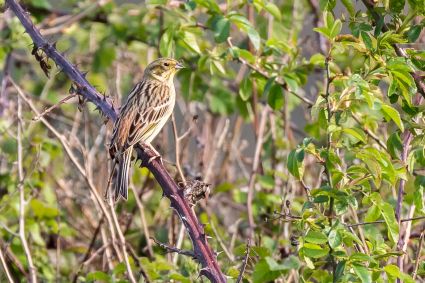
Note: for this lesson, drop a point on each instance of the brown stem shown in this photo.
(202, 250)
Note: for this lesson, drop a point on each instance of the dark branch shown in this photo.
(202, 250)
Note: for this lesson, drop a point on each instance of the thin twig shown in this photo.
(31, 268)
(418, 255)
(245, 261)
(5, 268)
(122, 240)
(48, 110)
(143, 221)
(228, 253)
(174, 250)
(255, 165)
(383, 221)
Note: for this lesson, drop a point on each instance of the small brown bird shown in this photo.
(147, 109)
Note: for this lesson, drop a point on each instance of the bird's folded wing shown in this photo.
(146, 122)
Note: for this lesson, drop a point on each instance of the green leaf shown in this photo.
(41, 4)
(394, 272)
(349, 6)
(190, 41)
(316, 237)
(356, 133)
(274, 10)
(221, 29)
(295, 163)
(388, 214)
(339, 271)
(275, 97)
(373, 213)
(104, 57)
(262, 272)
(393, 114)
(254, 37)
(97, 276)
(396, 6)
(336, 29)
(335, 239)
(367, 40)
(414, 32)
(166, 43)
(362, 273)
(245, 88)
(394, 145)
(314, 251)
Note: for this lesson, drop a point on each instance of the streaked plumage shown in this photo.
(147, 109)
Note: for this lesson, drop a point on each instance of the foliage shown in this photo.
(323, 167)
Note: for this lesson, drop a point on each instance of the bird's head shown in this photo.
(163, 69)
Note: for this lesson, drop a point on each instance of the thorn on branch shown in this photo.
(170, 249)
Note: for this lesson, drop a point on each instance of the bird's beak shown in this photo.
(179, 66)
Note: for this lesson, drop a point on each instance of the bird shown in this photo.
(146, 110)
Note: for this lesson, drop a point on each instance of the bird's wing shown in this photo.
(146, 121)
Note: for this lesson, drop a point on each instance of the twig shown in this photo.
(91, 246)
(255, 165)
(142, 271)
(48, 110)
(5, 268)
(177, 149)
(174, 250)
(31, 268)
(383, 221)
(218, 145)
(3, 91)
(121, 239)
(228, 253)
(245, 262)
(418, 255)
(143, 221)
(202, 250)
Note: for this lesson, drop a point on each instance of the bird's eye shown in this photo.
(166, 64)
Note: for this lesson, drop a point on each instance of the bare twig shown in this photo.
(31, 268)
(174, 250)
(255, 165)
(228, 252)
(48, 110)
(143, 221)
(418, 255)
(5, 268)
(121, 239)
(245, 262)
(382, 221)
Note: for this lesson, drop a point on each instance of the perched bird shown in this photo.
(147, 109)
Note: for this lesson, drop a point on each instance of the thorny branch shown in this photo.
(202, 250)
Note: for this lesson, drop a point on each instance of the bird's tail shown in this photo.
(121, 181)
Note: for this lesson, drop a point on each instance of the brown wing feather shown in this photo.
(147, 103)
